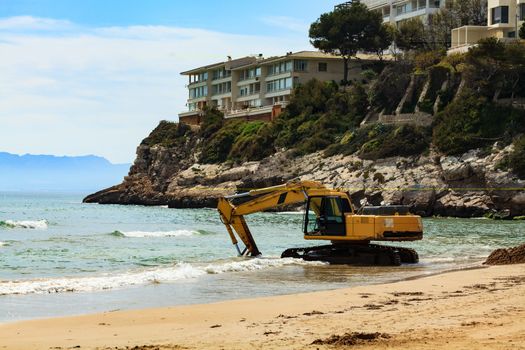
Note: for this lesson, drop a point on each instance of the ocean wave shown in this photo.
(257, 264)
(290, 212)
(146, 234)
(181, 271)
(2, 244)
(35, 224)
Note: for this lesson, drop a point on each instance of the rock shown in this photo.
(463, 206)
(171, 175)
(421, 200)
(455, 170)
(517, 205)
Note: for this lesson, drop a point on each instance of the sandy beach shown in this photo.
(476, 309)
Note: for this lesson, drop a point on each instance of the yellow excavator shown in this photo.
(329, 215)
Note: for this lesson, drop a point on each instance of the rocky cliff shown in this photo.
(433, 132)
(466, 186)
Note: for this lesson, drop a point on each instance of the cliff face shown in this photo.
(451, 104)
(466, 186)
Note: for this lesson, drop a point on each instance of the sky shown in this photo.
(96, 76)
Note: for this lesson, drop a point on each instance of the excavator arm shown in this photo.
(259, 200)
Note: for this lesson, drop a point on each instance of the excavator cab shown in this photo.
(325, 216)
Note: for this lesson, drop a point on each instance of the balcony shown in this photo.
(373, 4)
(221, 77)
(253, 111)
(280, 92)
(415, 13)
(220, 94)
(197, 83)
(248, 96)
(467, 36)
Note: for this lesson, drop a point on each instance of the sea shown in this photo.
(61, 257)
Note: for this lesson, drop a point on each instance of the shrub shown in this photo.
(380, 141)
(212, 121)
(516, 159)
(168, 134)
(386, 92)
(217, 148)
(255, 142)
(472, 122)
(401, 140)
(426, 59)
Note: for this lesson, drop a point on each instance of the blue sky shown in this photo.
(227, 16)
(95, 77)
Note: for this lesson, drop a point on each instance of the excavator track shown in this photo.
(354, 254)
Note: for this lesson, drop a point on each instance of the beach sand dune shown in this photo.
(480, 308)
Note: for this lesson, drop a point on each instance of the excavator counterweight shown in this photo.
(329, 215)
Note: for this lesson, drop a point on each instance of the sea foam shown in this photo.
(146, 234)
(256, 264)
(35, 224)
(181, 271)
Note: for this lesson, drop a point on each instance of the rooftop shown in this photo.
(229, 64)
(252, 60)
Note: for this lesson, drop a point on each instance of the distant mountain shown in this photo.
(51, 173)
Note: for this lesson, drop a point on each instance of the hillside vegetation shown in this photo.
(468, 113)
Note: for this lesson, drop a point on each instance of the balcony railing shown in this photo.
(249, 93)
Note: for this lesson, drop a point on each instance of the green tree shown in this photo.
(381, 40)
(494, 68)
(522, 31)
(411, 35)
(347, 30)
(455, 14)
(470, 12)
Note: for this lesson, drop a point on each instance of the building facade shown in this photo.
(396, 11)
(254, 87)
(505, 17)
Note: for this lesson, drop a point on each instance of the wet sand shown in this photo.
(471, 309)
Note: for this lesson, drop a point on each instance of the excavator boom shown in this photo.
(256, 201)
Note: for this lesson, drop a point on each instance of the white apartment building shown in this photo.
(254, 87)
(395, 11)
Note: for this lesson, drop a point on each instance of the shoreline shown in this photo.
(459, 303)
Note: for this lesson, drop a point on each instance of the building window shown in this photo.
(405, 8)
(521, 12)
(500, 14)
(198, 78)
(300, 65)
(323, 67)
(250, 89)
(249, 73)
(198, 92)
(280, 68)
(511, 35)
(279, 84)
(203, 76)
(223, 88)
(221, 73)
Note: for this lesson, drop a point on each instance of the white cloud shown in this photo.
(288, 23)
(33, 23)
(101, 90)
